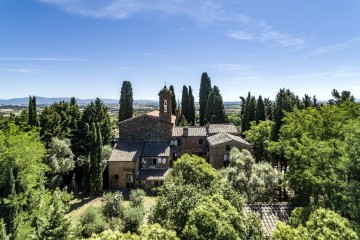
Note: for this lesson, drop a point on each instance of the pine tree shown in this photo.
(260, 110)
(191, 107)
(215, 112)
(173, 100)
(126, 101)
(205, 88)
(185, 103)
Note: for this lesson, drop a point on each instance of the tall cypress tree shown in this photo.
(246, 118)
(260, 110)
(252, 109)
(185, 103)
(191, 119)
(173, 100)
(268, 109)
(215, 112)
(93, 160)
(98, 163)
(33, 119)
(205, 88)
(126, 101)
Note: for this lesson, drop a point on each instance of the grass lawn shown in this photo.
(79, 205)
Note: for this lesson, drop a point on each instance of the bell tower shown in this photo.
(165, 104)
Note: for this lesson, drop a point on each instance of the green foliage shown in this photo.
(133, 218)
(33, 119)
(137, 198)
(92, 221)
(215, 112)
(321, 146)
(156, 232)
(3, 235)
(260, 110)
(340, 98)
(186, 104)
(113, 206)
(268, 109)
(126, 102)
(214, 218)
(173, 100)
(194, 170)
(322, 224)
(51, 222)
(205, 88)
(259, 136)
(235, 119)
(191, 107)
(96, 166)
(254, 181)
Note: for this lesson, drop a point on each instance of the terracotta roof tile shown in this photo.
(225, 127)
(225, 137)
(270, 214)
(152, 174)
(200, 131)
(126, 151)
(156, 150)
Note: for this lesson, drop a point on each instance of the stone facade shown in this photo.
(218, 152)
(149, 143)
(146, 127)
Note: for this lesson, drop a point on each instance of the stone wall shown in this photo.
(121, 169)
(190, 145)
(216, 153)
(146, 128)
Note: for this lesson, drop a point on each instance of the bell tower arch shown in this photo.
(165, 104)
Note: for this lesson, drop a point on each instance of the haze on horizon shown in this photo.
(86, 48)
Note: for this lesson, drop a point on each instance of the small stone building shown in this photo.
(149, 143)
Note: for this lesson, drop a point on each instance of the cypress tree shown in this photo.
(245, 119)
(252, 109)
(185, 103)
(260, 110)
(33, 120)
(98, 174)
(205, 88)
(191, 119)
(268, 109)
(126, 101)
(215, 112)
(93, 161)
(11, 209)
(173, 100)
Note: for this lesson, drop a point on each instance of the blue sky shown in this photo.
(86, 48)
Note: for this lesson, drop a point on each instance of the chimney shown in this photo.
(185, 132)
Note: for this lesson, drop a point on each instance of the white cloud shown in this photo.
(206, 12)
(21, 70)
(336, 47)
(232, 67)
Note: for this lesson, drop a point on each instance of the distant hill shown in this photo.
(48, 101)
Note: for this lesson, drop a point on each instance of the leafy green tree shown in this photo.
(260, 110)
(322, 224)
(133, 218)
(215, 218)
(126, 102)
(60, 158)
(92, 221)
(191, 107)
(215, 112)
(255, 181)
(339, 98)
(235, 119)
(156, 232)
(137, 197)
(259, 136)
(284, 102)
(173, 100)
(205, 88)
(113, 204)
(3, 234)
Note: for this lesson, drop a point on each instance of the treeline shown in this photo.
(43, 156)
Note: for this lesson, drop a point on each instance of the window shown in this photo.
(179, 142)
(228, 147)
(165, 106)
(116, 176)
(201, 141)
(154, 161)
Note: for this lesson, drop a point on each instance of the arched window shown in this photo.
(165, 105)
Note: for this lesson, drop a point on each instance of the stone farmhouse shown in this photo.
(148, 145)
